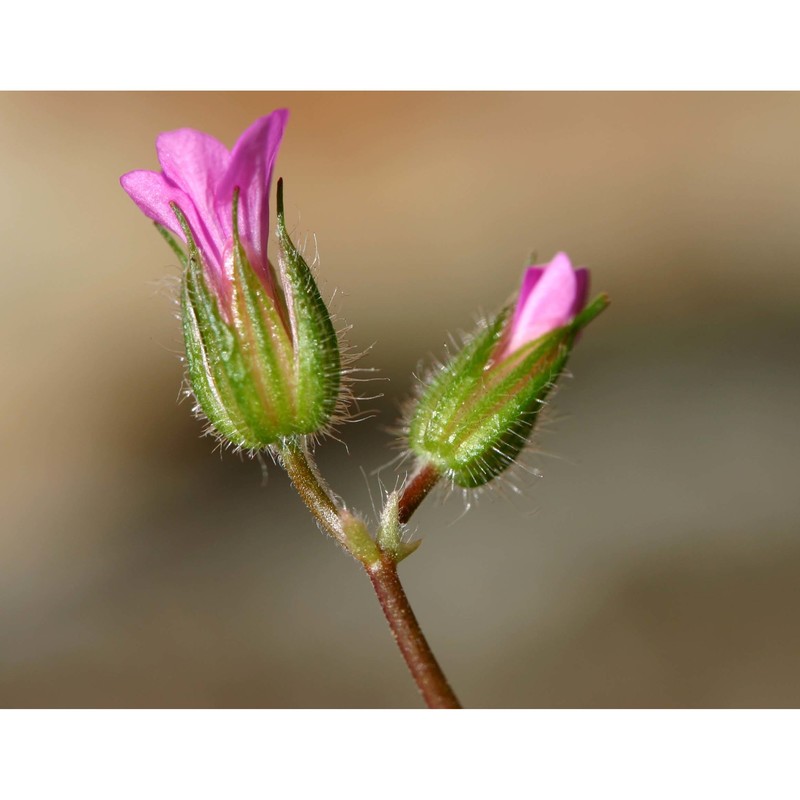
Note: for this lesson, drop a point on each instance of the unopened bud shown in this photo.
(478, 411)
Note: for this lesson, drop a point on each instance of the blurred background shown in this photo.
(656, 562)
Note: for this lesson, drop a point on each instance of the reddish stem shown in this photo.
(417, 489)
(419, 657)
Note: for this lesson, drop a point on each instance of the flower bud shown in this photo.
(478, 411)
(261, 352)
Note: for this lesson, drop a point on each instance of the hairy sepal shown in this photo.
(317, 370)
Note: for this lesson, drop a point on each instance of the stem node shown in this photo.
(381, 567)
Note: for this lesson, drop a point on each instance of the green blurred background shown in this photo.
(655, 563)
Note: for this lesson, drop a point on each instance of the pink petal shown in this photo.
(250, 169)
(153, 193)
(549, 305)
(196, 162)
(529, 281)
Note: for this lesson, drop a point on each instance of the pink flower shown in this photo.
(551, 296)
(199, 175)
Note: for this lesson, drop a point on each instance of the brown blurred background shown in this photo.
(655, 563)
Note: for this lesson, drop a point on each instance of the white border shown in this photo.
(354, 44)
(373, 754)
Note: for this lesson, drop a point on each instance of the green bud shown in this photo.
(477, 412)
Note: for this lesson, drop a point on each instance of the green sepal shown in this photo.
(203, 331)
(598, 305)
(455, 381)
(219, 372)
(316, 345)
(266, 348)
(507, 407)
(214, 358)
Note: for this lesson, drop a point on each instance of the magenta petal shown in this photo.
(196, 163)
(250, 169)
(529, 281)
(581, 291)
(200, 176)
(153, 193)
(549, 305)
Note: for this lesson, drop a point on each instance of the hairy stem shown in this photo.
(305, 478)
(424, 667)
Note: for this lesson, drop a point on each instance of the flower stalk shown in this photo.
(417, 488)
(302, 471)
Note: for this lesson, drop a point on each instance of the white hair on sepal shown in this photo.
(347, 408)
(168, 285)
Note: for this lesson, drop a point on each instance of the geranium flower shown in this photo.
(262, 356)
